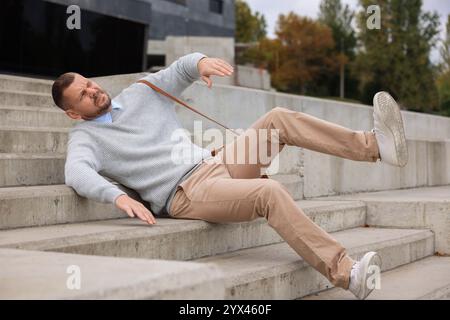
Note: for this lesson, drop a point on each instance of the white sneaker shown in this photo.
(360, 274)
(389, 131)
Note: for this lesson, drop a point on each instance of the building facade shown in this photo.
(201, 18)
(113, 37)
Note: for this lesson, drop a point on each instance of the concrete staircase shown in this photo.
(46, 229)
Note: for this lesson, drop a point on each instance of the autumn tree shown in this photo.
(304, 53)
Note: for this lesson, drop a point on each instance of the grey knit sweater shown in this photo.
(139, 148)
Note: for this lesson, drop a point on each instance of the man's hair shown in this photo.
(61, 84)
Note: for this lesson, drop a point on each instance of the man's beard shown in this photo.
(105, 104)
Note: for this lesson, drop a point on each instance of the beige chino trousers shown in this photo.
(223, 191)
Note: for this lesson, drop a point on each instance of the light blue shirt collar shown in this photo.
(107, 116)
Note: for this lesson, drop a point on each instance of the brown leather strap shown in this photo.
(159, 90)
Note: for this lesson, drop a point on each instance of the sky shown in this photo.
(271, 9)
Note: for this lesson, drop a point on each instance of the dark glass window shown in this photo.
(216, 6)
(34, 39)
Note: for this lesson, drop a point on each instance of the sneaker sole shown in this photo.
(374, 259)
(391, 117)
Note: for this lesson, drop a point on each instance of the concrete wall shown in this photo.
(252, 77)
(156, 47)
(211, 46)
(236, 107)
(223, 48)
(239, 107)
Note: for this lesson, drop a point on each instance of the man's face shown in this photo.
(85, 99)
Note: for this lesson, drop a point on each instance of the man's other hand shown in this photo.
(134, 208)
(213, 66)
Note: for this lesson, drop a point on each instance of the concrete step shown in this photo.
(58, 204)
(15, 83)
(46, 275)
(23, 116)
(277, 272)
(177, 239)
(426, 279)
(427, 208)
(15, 139)
(292, 182)
(33, 139)
(47, 205)
(328, 175)
(31, 169)
(22, 98)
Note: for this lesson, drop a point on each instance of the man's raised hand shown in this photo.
(213, 66)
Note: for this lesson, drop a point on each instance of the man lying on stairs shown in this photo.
(129, 139)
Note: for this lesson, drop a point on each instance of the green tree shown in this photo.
(339, 19)
(443, 81)
(445, 49)
(395, 58)
(249, 27)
